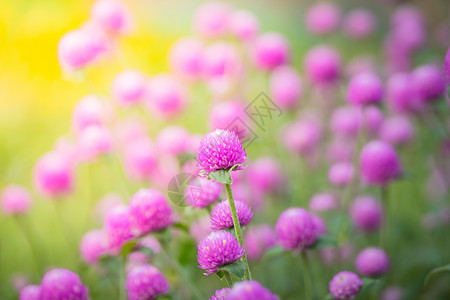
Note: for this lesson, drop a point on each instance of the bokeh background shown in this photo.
(37, 98)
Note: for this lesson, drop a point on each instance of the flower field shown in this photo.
(224, 150)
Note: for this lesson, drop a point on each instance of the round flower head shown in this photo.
(94, 141)
(302, 137)
(400, 94)
(185, 57)
(220, 60)
(346, 121)
(366, 213)
(166, 95)
(285, 87)
(220, 294)
(341, 174)
(323, 202)
(373, 118)
(319, 224)
(111, 16)
(15, 200)
(150, 211)
(360, 23)
(221, 217)
(264, 174)
(145, 282)
(202, 192)
(200, 228)
(225, 113)
(173, 140)
(322, 65)
(322, 18)
(139, 158)
(93, 245)
(211, 19)
(250, 290)
(105, 204)
(393, 292)
(58, 284)
(345, 285)
(379, 163)
(244, 25)
(129, 86)
(218, 249)
(270, 51)
(30, 292)
(372, 262)
(76, 49)
(257, 240)
(365, 88)
(296, 229)
(220, 150)
(90, 110)
(340, 149)
(427, 83)
(53, 175)
(397, 130)
(118, 227)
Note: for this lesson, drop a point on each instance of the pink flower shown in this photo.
(112, 16)
(322, 65)
(15, 200)
(270, 50)
(185, 57)
(211, 19)
(322, 18)
(244, 25)
(286, 87)
(129, 87)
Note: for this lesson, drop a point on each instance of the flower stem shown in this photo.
(237, 228)
(228, 279)
(28, 237)
(384, 232)
(122, 278)
(306, 276)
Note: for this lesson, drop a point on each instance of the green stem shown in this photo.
(28, 237)
(384, 232)
(237, 228)
(228, 279)
(122, 278)
(306, 276)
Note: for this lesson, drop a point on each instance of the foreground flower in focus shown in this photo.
(250, 290)
(220, 150)
(59, 284)
(145, 282)
(218, 249)
(345, 285)
(221, 215)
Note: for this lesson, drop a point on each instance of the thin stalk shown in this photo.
(122, 278)
(237, 228)
(228, 279)
(306, 276)
(28, 237)
(384, 232)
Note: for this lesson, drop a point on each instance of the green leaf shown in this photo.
(437, 271)
(329, 297)
(237, 268)
(367, 282)
(128, 247)
(146, 250)
(324, 241)
(181, 226)
(222, 176)
(273, 252)
(220, 274)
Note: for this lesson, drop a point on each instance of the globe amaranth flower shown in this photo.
(345, 285)
(365, 88)
(341, 174)
(218, 249)
(250, 290)
(15, 200)
(270, 50)
(372, 262)
(59, 284)
(257, 240)
(366, 213)
(149, 211)
(202, 192)
(118, 227)
(427, 83)
(220, 294)
(30, 292)
(221, 217)
(296, 229)
(397, 130)
(265, 174)
(220, 150)
(379, 163)
(323, 202)
(244, 25)
(93, 244)
(145, 282)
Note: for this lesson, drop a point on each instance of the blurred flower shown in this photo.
(322, 65)
(341, 149)
(53, 175)
(90, 110)
(76, 50)
(139, 158)
(223, 114)
(221, 217)
(372, 117)
(218, 249)
(322, 18)
(250, 290)
(319, 224)
(220, 294)
(400, 94)
(145, 282)
(372, 262)
(173, 140)
(200, 228)
(323, 202)
(220, 150)
(258, 239)
(345, 285)
(264, 174)
(211, 19)
(118, 227)
(60, 284)
(94, 141)
(361, 64)
(105, 204)
(220, 60)
(15, 200)
(129, 129)
(270, 50)
(346, 121)
(302, 137)
(393, 292)
(360, 23)
(286, 87)
(244, 25)
(365, 88)
(112, 16)
(427, 83)
(149, 211)
(341, 174)
(244, 192)
(185, 57)
(30, 292)
(93, 245)
(366, 213)
(128, 87)
(296, 229)
(202, 192)
(379, 163)
(397, 130)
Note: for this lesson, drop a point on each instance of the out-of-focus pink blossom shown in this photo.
(322, 18)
